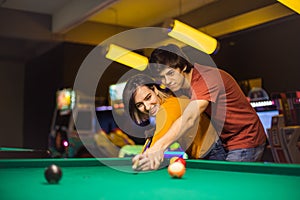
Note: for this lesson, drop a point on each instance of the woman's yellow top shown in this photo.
(197, 142)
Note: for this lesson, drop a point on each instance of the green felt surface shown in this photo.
(14, 149)
(91, 179)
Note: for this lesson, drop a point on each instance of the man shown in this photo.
(212, 91)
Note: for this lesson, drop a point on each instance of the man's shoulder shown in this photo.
(205, 67)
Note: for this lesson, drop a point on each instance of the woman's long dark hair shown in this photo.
(129, 92)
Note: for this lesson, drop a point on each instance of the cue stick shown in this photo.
(146, 145)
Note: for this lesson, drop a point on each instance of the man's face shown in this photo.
(146, 100)
(172, 78)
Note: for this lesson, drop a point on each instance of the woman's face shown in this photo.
(146, 100)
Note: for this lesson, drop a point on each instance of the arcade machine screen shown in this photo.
(265, 111)
(116, 95)
(65, 100)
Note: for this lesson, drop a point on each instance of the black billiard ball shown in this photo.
(53, 174)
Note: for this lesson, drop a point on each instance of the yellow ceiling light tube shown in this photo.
(126, 57)
(292, 4)
(193, 37)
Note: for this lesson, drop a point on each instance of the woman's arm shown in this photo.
(153, 157)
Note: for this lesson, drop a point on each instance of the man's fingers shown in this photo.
(143, 164)
(149, 160)
(135, 161)
(156, 162)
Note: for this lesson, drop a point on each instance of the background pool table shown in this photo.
(92, 179)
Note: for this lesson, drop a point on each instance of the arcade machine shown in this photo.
(58, 138)
(74, 128)
(264, 107)
(265, 110)
(109, 126)
(284, 132)
(280, 118)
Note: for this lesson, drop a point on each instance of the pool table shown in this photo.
(113, 178)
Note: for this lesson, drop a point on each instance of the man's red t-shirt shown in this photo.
(231, 113)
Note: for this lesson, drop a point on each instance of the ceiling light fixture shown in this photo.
(126, 57)
(292, 4)
(192, 37)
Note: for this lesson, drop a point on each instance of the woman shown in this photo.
(143, 99)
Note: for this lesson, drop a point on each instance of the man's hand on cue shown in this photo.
(155, 157)
(141, 163)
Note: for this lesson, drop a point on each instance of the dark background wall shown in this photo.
(270, 52)
(44, 75)
(11, 103)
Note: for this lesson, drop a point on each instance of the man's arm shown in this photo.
(153, 157)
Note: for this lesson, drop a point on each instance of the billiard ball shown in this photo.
(181, 160)
(173, 159)
(176, 170)
(53, 174)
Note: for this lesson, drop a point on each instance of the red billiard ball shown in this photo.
(53, 174)
(176, 170)
(173, 159)
(181, 160)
